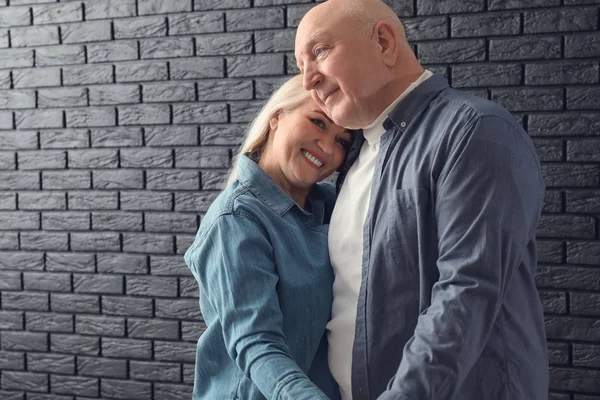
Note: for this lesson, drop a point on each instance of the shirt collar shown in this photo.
(375, 129)
(251, 175)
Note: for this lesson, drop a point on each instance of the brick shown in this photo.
(212, 180)
(172, 180)
(203, 113)
(583, 150)
(224, 44)
(583, 201)
(10, 395)
(126, 306)
(60, 55)
(75, 303)
(170, 222)
(584, 304)
(574, 379)
(17, 99)
(146, 158)
(152, 329)
(19, 220)
(126, 390)
(529, 99)
(212, 157)
(66, 221)
(152, 286)
(44, 281)
(99, 325)
(95, 241)
(486, 25)
(582, 45)
(34, 36)
(194, 202)
(4, 39)
(86, 32)
(42, 201)
(116, 137)
(508, 4)
(583, 253)
(118, 179)
(147, 201)
(141, 71)
(255, 65)
(95, 200)
(155, 371)
(264, 3)
(274, 41)
(171, 136)
(231, 134)
(583, 98)
(114, 94)
(463, 50)
(5, 79)
(101, 367)
(74, 385)
(295, 14)
(122, 263)
(168, 47)
(486, 75)
(21, 261)
(44, 159)
(169, 92)
(225, 90)
(572, 328)
(94, 283)
(566, 226)
(116, 221)
(426, 7)
(25, 301)
(418, 29)
(93, 158)
(56, 13)
(6, 120)
(140, 27)
(39, 396)
(36, 77)
(197, 68)
(552, 201)
(17, 58)
(196, 23)
(146, 7)
(144, 114)
(33, 119)
(178, 309)
(121, 50)
(51, 363)
(172, 391)
(570, 175)
(67, 138)
(147, 243)
(66, 179)
(525, 48)
(11, 360)
(24, 341)
(87, 74)
(74, 344)
(69, 262)
(586, 355)
(10, 280)
(127, 348)
(184, 241)
(15, 140)
(104, 9)
(48, 322)
(14, 16)
(220, 4)
(560, 20)
(189, 372)
(564, 124)
(8, 161)
(549, 150)
(24, 381)
(188, 287)
(168, 266)
(9, 241)
(245, 20)
(11, 320)
(567, 277)
(180, 352)
(558, 353)
(561, 73)
(554, 302)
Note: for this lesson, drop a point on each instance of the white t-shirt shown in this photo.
(346, 245)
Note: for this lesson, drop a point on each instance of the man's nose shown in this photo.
(312, 78)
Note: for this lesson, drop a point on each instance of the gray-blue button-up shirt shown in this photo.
(448, 307)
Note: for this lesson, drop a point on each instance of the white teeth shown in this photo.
(312, 159)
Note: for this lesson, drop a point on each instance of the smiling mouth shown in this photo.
(328, 95)
(312, 159)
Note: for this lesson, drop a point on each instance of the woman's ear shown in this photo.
(274, 121)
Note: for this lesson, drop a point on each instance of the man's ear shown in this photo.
(388, 43)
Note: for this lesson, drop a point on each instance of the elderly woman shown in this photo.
(261, 259)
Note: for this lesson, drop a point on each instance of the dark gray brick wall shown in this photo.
(118, 119)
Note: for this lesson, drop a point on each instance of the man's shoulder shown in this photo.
(474, 106)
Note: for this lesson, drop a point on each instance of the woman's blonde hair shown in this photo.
(287, 97)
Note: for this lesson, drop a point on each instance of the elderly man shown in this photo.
(433, 236)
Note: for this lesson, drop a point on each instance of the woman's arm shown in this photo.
(235, 267)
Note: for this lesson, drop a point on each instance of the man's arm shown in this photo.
(235, 267)
(488, 201)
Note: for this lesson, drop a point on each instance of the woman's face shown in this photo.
(304, 146)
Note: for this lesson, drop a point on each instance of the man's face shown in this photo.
(342, 67)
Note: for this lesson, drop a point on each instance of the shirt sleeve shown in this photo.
(235, 267)
(487, 207)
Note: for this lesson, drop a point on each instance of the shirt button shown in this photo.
(403, 124)
(360, 390)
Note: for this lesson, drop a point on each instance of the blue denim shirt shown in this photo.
(262, 264)
(448, 307)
